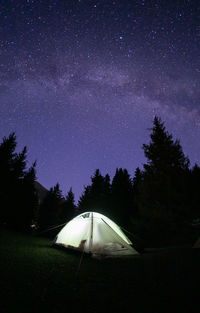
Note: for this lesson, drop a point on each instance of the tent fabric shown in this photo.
(95, 233)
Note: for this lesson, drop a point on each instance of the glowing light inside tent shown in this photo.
(73, 231)
(95, 233)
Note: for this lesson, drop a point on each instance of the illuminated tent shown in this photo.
(94, 233)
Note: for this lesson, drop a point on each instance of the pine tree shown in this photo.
(7, 154)
(137, 179)
(194, 191)
(26, 213)
(68, 210)
(15, 184)
(121, 196)
(84, 203)
(107, 194)
(163, 153)
(96, 196)
(50, 209)
(163, 194)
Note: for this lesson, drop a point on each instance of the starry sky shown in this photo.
(81, 81)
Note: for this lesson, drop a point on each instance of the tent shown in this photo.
(96, 234)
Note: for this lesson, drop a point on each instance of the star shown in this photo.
(85, 79)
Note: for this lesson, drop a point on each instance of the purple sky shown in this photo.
(80, 82)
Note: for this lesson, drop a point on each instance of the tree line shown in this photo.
(165, 192)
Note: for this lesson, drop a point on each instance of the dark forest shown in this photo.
(158, 203)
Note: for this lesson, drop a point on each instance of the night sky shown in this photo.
(81, 81)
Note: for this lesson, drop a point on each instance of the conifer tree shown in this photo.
(163, 194)
(194, 191)
(137, 179)
(121, 196)
(84, 202)
(26, 213)
(68, 209)
(15, 185)
(96, 196)
(50, 209)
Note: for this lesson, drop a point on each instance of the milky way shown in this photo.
(80, 82)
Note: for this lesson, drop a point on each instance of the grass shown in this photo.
(35, 277)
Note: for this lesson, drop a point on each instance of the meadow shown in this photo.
(36, 277)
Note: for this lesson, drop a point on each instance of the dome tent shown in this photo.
(96, 234)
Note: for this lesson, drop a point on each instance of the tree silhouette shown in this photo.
(96, 196)
(163, 192)
(137, 179)
(194, 191)
(29, 200)
(84, 202)
(17, 192)
(50, 209)
(68, 209)
(121, 196)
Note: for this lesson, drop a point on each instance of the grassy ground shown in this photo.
(38, 278)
